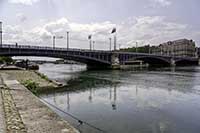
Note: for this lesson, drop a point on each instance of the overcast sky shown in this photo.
(144, 21)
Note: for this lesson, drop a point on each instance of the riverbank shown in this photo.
(2, 115)
(23, 75)
(23, 111)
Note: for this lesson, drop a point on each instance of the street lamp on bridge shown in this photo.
(136, 48)
(67, 39)
(54, 40)
(1, 37)
(110, 40)
(149, 48)
(114, 30)
(93, 44)
(90, 41)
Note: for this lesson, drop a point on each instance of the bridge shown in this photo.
(95, 59)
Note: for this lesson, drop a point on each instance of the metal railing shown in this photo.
(14, 46)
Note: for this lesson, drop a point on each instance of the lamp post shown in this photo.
(90, 41)
(136, 50)
(93, 44)
(115, 38)
(54, 41)
(149, 49)
(110, 39)
(67, 39)
(115, 42)
(1, 38)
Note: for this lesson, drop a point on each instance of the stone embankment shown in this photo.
(14, 122)
(23, 75)
(2, 114)
(24, 112)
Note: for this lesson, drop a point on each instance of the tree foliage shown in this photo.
(5, 59)
(142, 49)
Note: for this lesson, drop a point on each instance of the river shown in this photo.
(143, 101)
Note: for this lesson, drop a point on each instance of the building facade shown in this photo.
(181, 48)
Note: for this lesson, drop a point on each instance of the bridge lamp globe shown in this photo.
(89, 37)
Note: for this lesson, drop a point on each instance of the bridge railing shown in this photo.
(47, 48)
(82, 50)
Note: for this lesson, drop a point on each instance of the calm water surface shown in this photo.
(156, 101)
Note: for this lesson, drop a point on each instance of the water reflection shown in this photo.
(68, 102)
(113, 101)
(156, 101)
(90, 95)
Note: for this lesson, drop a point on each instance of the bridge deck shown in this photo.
(89, 57)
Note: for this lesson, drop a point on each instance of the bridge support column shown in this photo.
(115, 61)
(173, 62)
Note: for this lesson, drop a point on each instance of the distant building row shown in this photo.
(181, 48)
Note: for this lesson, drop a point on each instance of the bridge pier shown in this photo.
(172, 62)
(115, 64)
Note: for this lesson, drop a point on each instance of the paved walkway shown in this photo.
(36, 116)
(2, 116)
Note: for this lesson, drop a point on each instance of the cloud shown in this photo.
(145, 30)
(42, 35)
(77, 30)
(24, 2)
(162, 3)
(154, 30)
(21, 17)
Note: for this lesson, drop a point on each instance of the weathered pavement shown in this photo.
(36, 116)
(2, 116)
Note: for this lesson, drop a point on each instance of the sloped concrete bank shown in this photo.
(2, 114)
(13, 119)
(29, 113)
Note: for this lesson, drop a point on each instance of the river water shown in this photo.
(143, 101)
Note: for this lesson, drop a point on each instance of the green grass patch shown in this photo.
(32, 86)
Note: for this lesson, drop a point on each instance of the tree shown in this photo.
(142, 49)
(5, 59)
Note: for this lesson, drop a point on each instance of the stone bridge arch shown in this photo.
(153, 60)
(92, 62)
(185, 62)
